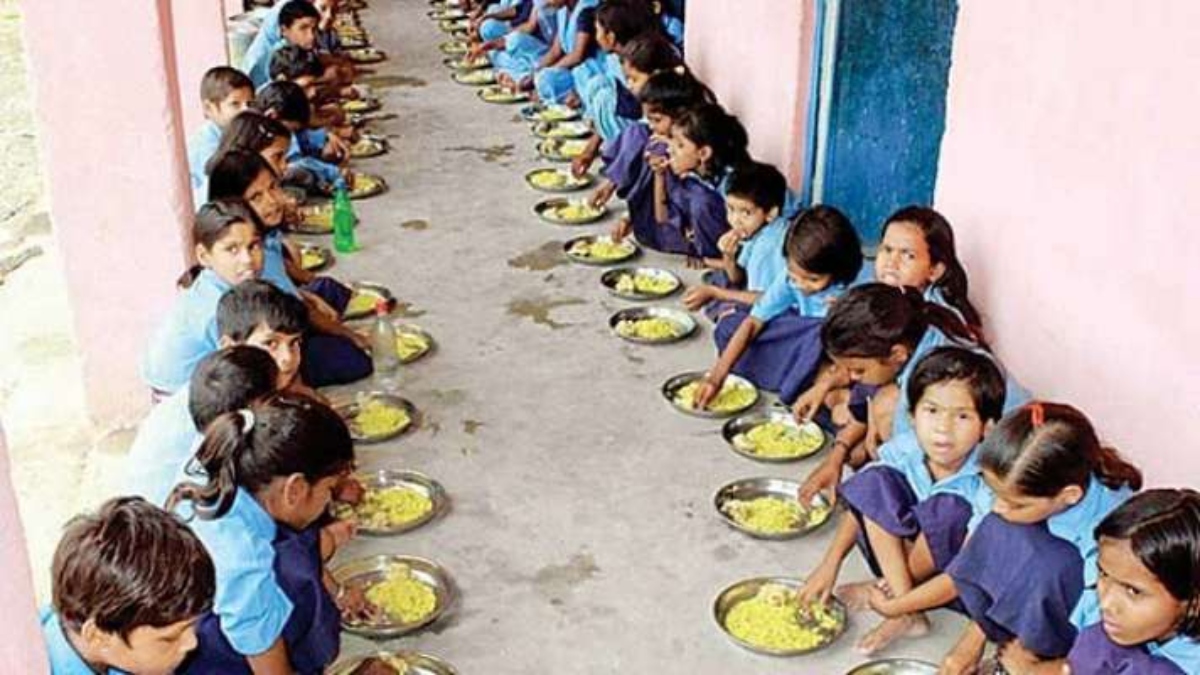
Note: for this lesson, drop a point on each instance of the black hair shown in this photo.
(978, 370)
(295, 10)
(231, 173)
(281, 435)
(286, 100)
(1042, 448)
(219, 82)
(252, 303)
(212, 223)
(626, 19)
(672, 93)
(291, 62)
(128, 565)
(650, 53)
(227, 380)
(761, 184)
(869, 319)
(710, 126)
(822, 241)
(251, 131)
(1163, 528)
(939, 237)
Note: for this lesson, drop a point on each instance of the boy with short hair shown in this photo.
(224, 92)
(129, 584)
(297, 25)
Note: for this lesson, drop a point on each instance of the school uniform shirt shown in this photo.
(1094, 653)
(201, 147)
(1077, 525)
(761, 256)
(783, 295)
(256, 63)
(274, 268)
(327, 174)
(165, 441)
(696, 208)
(249, 603)
(64, 660)
(624, 158)
(187, 336)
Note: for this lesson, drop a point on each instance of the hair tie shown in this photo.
(680, 69)
(1037, 414)
(247, 420)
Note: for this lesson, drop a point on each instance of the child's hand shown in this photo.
(349, 491)
(572, 101)
(824, 479)
(340, 532)
(335, 150)
(729, 242)
(1016, 659)
(505, 80)
(361, 341)
(621, 230)
(706, 392)
(881, 601)
(697, 297)
(658, 164)
(353, 604)
(347, 175)
(807, 405)
(962, 660)
(602, 194)
(582, 163)
(818, 587)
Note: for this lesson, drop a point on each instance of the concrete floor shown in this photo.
(581, 535)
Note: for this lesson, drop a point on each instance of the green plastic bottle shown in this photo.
(343, 220)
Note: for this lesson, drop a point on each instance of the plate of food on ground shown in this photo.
(392, 663)
(465, 63)
(562, 211)
(774, 436)
(895, 667)
(365, 55)
(561, 149)
(412, 342)
(368, 145)
(314, 258)
(360, 105)
(367, 185)
(767, 508)
(454, 47)
(599, 250)
(551, 179)
(394, 502)
(316, 218)
(454, 25)
(641, 283)
(447, 14)
(364, 298)
(652, 325)
(575, 129)
(403, 594)
(737, 395)
(764, 616)
(376, 417)
(553, 112)
(475, 78)
(501, 95)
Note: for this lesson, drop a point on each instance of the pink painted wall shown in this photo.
(757, 56)
(199, 29)
(1069, 167)
(21, 650)
(112, 149)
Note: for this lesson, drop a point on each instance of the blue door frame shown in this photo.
(877, 106)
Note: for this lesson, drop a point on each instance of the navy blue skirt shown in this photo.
(783, 358)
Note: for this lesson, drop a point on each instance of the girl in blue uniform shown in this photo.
(1027, 575)
(271, 471)
(228, 248)
(255, 132)
(603, 94)
(573, 54)
(824, 256)
(1149, 588)
(909, 512)
(517, 54)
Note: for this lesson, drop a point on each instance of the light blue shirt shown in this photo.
(64, 660)
(324, 171)
(201, 147)
(165, 441)
(904, 454)
(783, 295)
(274, 268)
(187, 336)
(256, 63)
(253, 609)
(1182, 651)
(1076, 525)
(762, 256)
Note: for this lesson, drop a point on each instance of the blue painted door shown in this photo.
(876, 129)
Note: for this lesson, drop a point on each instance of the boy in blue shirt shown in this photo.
(286, 102)
(129, 584)
(298, 21)
(224, 92)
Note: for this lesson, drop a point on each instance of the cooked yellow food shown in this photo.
(498, 94)
(410, 345)
(772, 620)
(463, 63)
(653, 328)
(366, 146)
(317, 216)
(645, 284)
(600, 249)
(364, 54)
(565, 130)
(453, 48)
(732, 397)
(378, 418)
(450, 25)
(387, 508)
(556, 179)
(358, 105)
(554, 113)
(573, 212)
(363, 301)
(773, 515)
(778, 440)
(312, 258)
(365, 184)
(561, 148)
(485, 76)
(403, 597)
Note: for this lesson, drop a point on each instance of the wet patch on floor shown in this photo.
(538, 310)
(547, 256)
(388, 81)
(471, 426)
(557, 580)
(415, 225)
(631, 357)
(488, 153)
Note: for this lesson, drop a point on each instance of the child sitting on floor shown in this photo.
(297, 25)
(224, 92)
(286, 102)
(129, 584)
(572, 55)
(1149, 588)
(604, 96)
(910, 511)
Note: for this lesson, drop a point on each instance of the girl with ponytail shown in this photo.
(270, 471)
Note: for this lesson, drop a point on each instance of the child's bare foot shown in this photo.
(890, 630)
(856, 597)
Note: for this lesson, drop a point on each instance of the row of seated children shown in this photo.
(954, 501)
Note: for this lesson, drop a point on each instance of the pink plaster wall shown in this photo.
(200, 44)
(107, 107)
(21, 650)
(757, 56)
(1069, 167)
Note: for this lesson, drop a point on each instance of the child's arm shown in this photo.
(827, 476)
(741, 339)
(933, 593)
(578, 54)
(274, 661)
(963, 658)
(552, 55)
(583, 162)
(1018, 660)
(828, 378)
(820, 582)
(322, 323)
(291, 264)
(662, 214)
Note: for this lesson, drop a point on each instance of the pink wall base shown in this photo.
(21, 650)
(200, 44)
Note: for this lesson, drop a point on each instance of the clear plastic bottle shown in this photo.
(384, 354)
